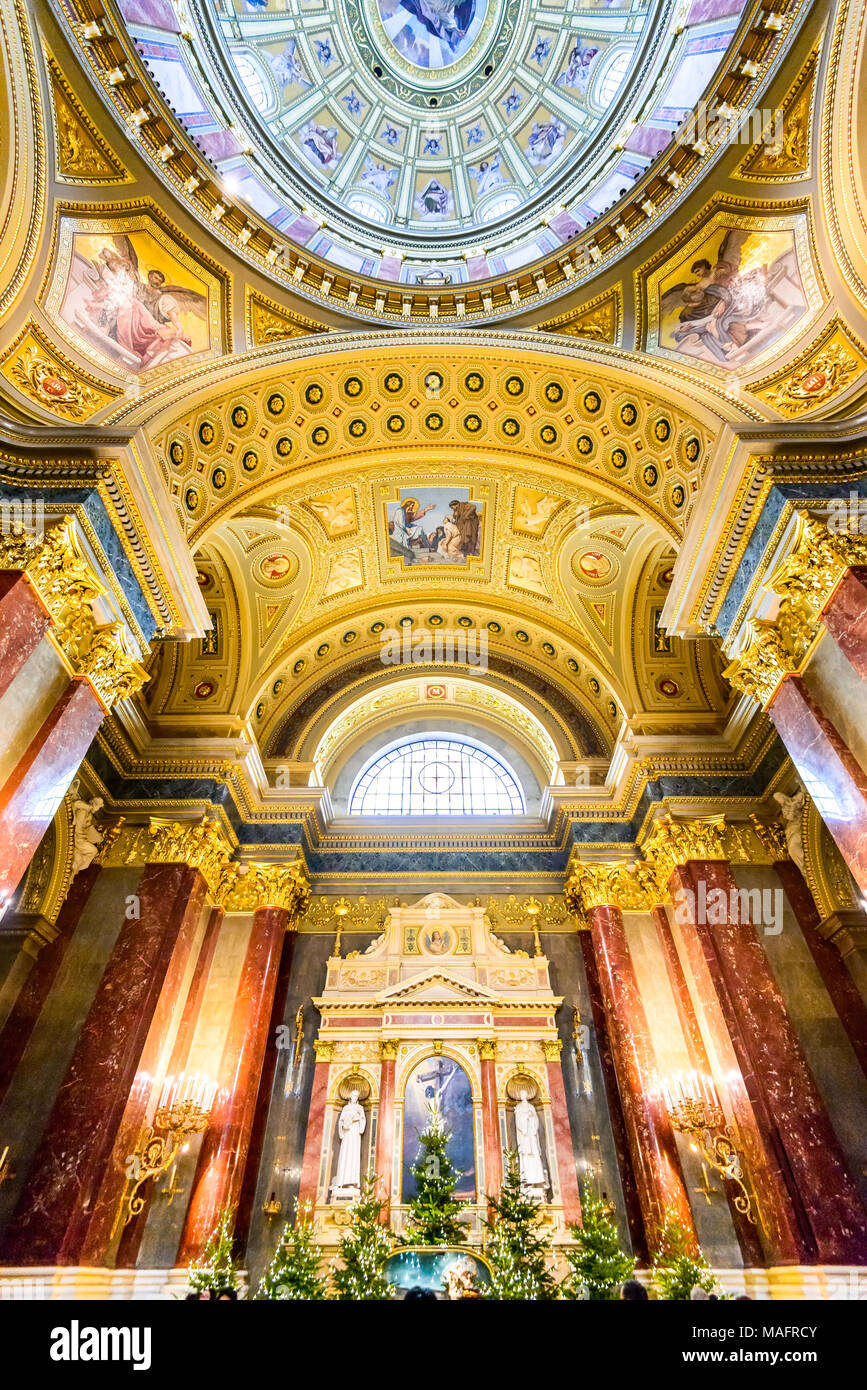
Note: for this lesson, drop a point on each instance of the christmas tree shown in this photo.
(434, 1212)
(364, 1249)
(217, 1268)
(678, 1265)
(597, 1263)
(515, 1248)
(294, 1270)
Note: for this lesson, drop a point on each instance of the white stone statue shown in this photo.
(792, 808)
(533, 1179)
(350, 1127)
(86, 837)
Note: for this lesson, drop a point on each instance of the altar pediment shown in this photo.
(437, 986)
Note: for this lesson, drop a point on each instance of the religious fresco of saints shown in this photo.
(134, 302)
(435, 525)
(733, 296)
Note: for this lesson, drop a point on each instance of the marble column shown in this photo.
(133, 1233)
(843, 992)
(810, 1204)
(308, 1189)
(24, 1012)
(617, 1120)
(32, 793)
(651, 1140)
(70, 1200)
(250, 1184)
(493, 1144)
(384, 1164)
(24, 621)
(845, 617)
(569, 1194)
(829, 771)
(745, 1230)
(223, 1155)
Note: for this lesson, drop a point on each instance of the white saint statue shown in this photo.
(350, 1127)
(533, 1177)
(86, 837)
(792, 808)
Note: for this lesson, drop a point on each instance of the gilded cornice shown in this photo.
(68, 587)
(22, 134)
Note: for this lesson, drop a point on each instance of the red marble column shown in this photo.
(845, 617)
(628, 1182)
(250, 1184)
(652, 1144)
(308, 1189)
(829, 771)
(842, 990)
(67, 1208)
(32, 793)
(569, 1194)
(745, 1230)
(223, 1155)
(384, 1163)
(491, 1121)
(24, 621)
(132, 1235)
(24, 1014)
(800, 1157)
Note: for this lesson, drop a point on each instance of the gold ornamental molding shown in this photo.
(820, 558)
(61, 575)
(764, 663)
(820, 373)
(200, 844)
(600, 319)
(36, 368)
(268, 322)
(247, 887)
(82, 155)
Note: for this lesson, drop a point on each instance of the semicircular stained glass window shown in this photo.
(435, 775)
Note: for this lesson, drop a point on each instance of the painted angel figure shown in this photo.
(287, 69)
(449, 20)
(377, 175)
(545, 141)
(577, 72)
(134, 317)
(320, 142)
(488, 175)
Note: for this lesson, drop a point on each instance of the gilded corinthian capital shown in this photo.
(61, 575)
(812, 570)
(201, 844)
(673, 843)
(250, 886)
(763, 664)
(631, 886)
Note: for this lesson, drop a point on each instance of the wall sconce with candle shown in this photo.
(694, 1109)
(184, 1108)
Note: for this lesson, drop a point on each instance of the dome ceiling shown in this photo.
(431, 141)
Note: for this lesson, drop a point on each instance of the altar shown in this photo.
(438, 1011)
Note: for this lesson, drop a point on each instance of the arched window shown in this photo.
(434, 775)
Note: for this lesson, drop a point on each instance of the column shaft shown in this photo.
(31, 795)
(829, 771)
(491, 1128)
(845, 617)
(652, 1144)
(223, 1155)
(23, 624)
(69, 1202)
(811, 1206)
(308, 1189)
(565, 1148)
(384, 1165)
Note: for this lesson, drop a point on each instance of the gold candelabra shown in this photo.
(694, 1109)
(184, 1109)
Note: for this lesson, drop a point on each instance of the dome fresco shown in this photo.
(432, 141)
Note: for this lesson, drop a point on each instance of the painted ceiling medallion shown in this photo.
(433, 33)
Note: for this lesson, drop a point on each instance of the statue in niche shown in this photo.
(792, 808)
(533, 1179)
(350, 1127)
(86, 836)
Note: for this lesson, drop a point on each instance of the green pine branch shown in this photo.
(516, 1248)
(363, 1250)
(294, 1272)
(678, 1265)
(217, 1267)
(598, 1264)
(434, 1213)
